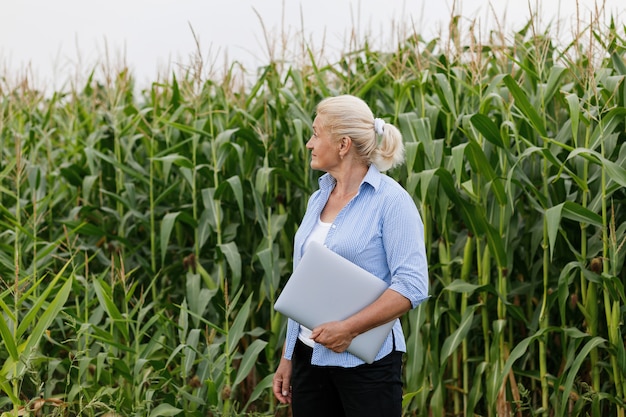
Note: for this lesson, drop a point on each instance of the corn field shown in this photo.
(144, 236)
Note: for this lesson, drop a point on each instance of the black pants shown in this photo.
(368, 390)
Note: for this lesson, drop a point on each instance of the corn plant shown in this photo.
(147, 233)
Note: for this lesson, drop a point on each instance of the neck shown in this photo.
(349, 180)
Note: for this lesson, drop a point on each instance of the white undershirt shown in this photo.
(318, 234)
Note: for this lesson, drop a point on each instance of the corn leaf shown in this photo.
(249, 359)
(8, 339)
(165, 410)
(487, 128)
(573, 372)
(49, 315)
(167, 224)
(105, 296)
(236, 331)
(522, 103)
(233, 257)
(453, 341)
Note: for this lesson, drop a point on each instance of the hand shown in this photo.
(282, 381)
(333, 335)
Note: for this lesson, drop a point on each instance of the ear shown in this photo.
(345, 143)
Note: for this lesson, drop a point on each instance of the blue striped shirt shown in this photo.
(380, 230)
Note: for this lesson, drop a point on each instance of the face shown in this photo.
(324, 151)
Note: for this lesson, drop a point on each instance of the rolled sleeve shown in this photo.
(403, 238)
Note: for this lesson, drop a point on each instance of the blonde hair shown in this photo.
(350, 116)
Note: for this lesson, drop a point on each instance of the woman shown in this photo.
(368, 218)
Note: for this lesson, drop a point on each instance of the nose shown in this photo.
(308, 143)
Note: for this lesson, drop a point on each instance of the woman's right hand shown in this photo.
(282, 381)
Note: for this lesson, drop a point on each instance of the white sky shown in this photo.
(52, 39)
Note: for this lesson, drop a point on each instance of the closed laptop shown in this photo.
(327, 287)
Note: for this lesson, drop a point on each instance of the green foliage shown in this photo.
(144, 237)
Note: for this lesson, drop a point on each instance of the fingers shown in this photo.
(282, 389)
(332, 335)
(281, 384)
(315, 332)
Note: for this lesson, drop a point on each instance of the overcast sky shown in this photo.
(54, 38)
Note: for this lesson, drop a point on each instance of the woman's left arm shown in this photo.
(337, 335)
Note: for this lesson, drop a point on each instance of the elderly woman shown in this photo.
(368, 218)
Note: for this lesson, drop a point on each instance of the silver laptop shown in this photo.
(327, 287)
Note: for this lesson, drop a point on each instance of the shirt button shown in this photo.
(333, 226)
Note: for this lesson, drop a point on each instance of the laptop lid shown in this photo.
(327, 287)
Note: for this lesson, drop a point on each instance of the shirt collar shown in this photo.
(372, 177)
